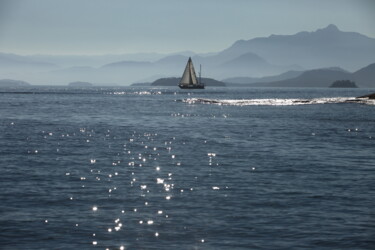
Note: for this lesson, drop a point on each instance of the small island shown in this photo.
(80, 84)
(141, 84)
(343, 84)
(13, 83)
(173, 81)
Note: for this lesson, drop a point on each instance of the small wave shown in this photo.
(279, 102)
(135, 93)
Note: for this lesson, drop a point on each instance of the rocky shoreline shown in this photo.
(370, 96)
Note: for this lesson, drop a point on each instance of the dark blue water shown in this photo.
(146, 168)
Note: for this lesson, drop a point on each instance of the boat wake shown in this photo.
(280, 102)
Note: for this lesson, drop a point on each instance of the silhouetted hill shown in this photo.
(131, 64)
(13, 83)
(246, 60)
(67, 61)
(248, 63)
(254, 59)
(322, 48)
(173, 81)
(22, 62)
(172, 60)
(243, 65)
(312, 78)
(365, 77)
(241, 80)
(238, 81)
(265, 56)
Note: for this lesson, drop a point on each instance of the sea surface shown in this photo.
(164, 168)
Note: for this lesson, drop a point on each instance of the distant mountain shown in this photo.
(241, 80)
(75, 70)
(248, 61)
(173, 81)
(127, 64)
(172, 60)
(322, 48)
(13, 83)
(246, 80)
(312, 78)
(245, 64)
(166, 60)
(269, 56)
(96, 60)
(22, 62)
(363, 78)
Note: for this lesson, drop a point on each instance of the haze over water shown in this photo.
(153, 168)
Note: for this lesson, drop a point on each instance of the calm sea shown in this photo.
(164, 168)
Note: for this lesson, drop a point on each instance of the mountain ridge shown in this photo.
(255, 58)
(363, 77)
(321, 48)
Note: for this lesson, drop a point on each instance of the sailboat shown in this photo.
(189, 78)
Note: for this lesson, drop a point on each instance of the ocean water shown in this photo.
(164, 168)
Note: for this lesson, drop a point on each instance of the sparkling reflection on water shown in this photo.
(139, 169)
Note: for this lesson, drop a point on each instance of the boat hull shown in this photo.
(191, 86)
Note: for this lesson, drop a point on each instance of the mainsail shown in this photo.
(189, 78)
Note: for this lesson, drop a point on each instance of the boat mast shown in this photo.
(200, 71)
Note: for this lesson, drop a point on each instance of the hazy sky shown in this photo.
(130, 26)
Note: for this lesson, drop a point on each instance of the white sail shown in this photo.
(189, 77)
